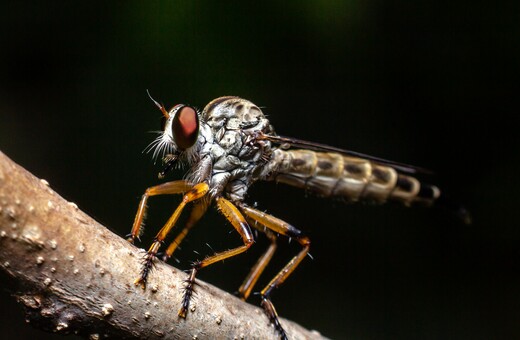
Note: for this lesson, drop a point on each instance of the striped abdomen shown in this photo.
(336, 175)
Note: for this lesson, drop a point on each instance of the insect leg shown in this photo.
(196, 192)
(286, 229)
(199, 208)
(169, 188)
(249, 282)
(231, 212)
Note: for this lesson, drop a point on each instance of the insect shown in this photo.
(230, 145)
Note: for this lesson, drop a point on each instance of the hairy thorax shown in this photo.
(230, 147)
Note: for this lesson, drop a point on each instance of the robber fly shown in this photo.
(229, 146)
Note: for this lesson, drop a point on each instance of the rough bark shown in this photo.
(75, 276)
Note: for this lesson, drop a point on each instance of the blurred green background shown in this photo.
(417, 82)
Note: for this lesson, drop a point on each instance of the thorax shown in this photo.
(236, 158)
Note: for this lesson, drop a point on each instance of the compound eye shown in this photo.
(185, 127)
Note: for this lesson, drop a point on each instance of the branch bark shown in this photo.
(75, 276)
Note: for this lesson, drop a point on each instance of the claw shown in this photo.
(140, 281)
(182, 312)
(130, 238)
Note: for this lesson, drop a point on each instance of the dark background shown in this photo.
(417, 82)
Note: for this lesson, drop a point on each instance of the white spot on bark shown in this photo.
(61, 326)
(53, 244)
(32, 233)
(107, 309)
(10, 212)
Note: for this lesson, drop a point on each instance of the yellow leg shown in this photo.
(169, 188)
(230, 211)
(198, 211)
(286, 229)
(249, 282)
(196, 192)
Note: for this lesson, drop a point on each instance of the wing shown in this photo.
(287, 142)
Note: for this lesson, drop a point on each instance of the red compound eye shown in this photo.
(185, 127)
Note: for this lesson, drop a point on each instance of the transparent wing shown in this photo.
(288, 142)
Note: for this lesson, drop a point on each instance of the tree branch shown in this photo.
(75, 276)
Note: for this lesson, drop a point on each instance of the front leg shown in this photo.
(168, 188)
(196, 192)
